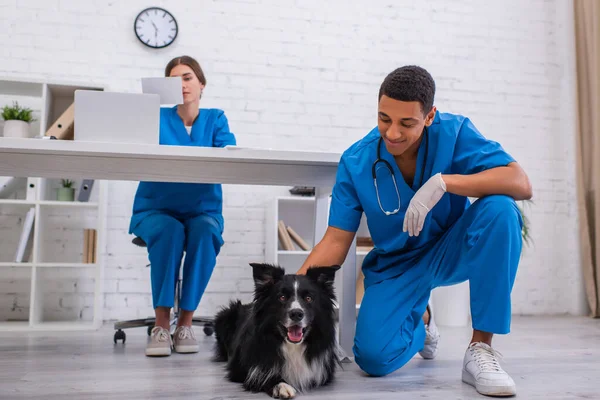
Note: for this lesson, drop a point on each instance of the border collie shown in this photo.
(284, 341)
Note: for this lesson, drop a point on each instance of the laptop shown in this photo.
(116, 117)
(168, 88)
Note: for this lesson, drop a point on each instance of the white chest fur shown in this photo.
(296, 371)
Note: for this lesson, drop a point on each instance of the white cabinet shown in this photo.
(298, 213)
(57, 285)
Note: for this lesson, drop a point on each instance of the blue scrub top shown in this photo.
(183, 200)
(455, 147)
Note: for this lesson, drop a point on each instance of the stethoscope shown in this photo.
(389, 167)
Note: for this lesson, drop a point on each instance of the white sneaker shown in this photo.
(482, 370)
(432, 337)
(160, 342)
(184, 340)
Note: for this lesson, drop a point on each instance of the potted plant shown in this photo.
(16, 121)
(525, 234)
(67, 191)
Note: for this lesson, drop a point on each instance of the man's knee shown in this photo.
(377, 359)
(501, 206)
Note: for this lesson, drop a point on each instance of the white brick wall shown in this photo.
(305, 74)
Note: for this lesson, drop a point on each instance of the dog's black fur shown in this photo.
(261, 341)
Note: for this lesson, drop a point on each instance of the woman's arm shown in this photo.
(223, 136)
(510, 180)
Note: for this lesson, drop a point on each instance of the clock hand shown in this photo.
(154, 25)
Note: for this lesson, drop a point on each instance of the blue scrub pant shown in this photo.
(167, 237)
(483, 246)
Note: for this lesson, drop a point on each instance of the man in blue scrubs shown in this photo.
(412, 176)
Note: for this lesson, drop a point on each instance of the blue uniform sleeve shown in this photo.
(474, 153)
(345, 211)
(223, 137)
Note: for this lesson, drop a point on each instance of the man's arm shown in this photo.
(510, 180)
(331, 250)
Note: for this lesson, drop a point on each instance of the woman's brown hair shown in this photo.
(190, 62)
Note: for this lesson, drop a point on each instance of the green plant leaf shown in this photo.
(16, 112)
(525, 231)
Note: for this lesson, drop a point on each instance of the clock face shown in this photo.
(155, 27)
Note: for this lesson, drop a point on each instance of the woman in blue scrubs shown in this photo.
(412, 176)
(176, 217)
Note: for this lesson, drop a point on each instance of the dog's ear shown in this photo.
(323, 275)
(266, 274)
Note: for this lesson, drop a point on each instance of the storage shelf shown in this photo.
(54, 235)
(16, 264)
(11, 326)
(17, 202)
(54, 203)
(49, 203)
(65, 265)
(48, 264)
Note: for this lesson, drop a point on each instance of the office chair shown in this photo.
(149, 322)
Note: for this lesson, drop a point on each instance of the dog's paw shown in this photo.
(284, 391)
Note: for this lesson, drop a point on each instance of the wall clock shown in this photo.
(155, 27)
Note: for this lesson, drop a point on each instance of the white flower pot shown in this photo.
(16, 128)
(451, 305)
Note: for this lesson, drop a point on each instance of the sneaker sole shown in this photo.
(496, 391)
(427, 355)
(187, 349)
(158, 352)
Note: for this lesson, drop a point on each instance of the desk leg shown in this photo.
(345, 279)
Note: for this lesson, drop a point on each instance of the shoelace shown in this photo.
(161, 334)
(430, 337)
(186, 332)
(486, 357)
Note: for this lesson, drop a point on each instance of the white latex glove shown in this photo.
(422, 202)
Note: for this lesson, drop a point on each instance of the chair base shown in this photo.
(206, 322)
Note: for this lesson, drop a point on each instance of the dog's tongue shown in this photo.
(295, 333)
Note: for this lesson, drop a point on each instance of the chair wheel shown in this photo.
(119, 335)
(208, 329)
(150, 330)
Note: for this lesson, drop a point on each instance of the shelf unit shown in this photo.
(52, 289)
(298, 212)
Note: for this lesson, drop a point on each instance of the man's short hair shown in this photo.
(410, 83)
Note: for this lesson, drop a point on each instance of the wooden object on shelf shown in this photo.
(298, 239)
(364, 241)
(89, 246)
(64, 127)
(284, 237)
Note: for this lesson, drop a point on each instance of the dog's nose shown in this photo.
(296, 314)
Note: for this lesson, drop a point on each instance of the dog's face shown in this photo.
(296, 304)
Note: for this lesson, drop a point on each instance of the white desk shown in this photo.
(115, 161)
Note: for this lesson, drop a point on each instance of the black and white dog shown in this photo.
(284, 341)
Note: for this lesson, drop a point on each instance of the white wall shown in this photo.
(305, 75)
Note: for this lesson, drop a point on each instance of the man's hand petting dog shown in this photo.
(283, 342)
